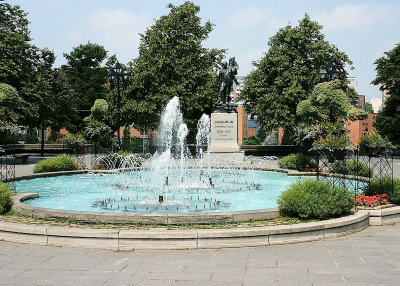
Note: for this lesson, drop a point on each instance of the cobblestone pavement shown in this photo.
(370, 257)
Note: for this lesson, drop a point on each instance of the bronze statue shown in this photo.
(226, 77)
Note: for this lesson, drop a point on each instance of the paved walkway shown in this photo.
(370, 257)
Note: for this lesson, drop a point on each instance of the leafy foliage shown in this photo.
(388, 74)
(352, 167)
(315, 199)
(385, 186)
(369, 108)
(98, 128)
(333, 142)
(299, 162)
(173, 62)
(9, 101)
(6, 200)
(86, 76)
(74, 140)
(253, 140)
(329, 102)
(372, 144)
(288, 73)
(59, 163)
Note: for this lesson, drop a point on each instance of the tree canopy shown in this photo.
(369, 108)
(288, 73)
(173, 62)
(388, 75)
(329, 102)
(86, 75)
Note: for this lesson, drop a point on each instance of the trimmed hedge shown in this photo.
(384, 186)
(6, 200)
(59, 163)
(297, 162)
(315, 199)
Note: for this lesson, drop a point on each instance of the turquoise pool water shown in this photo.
(150, 192)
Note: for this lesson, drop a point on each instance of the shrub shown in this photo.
(298, 162)
(372, 144)
(333, 142)
(74, 140)
(59, 163)
(5, 198)
(351, 167)
(384, 186)
(253, 140)
(315, 199)
(99, 109)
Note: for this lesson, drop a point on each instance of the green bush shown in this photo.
(351, 167)
(59, 163)
(333, 142)
(315, 199)
(372, 144)
(253, 140)
(5, 198)
(99, 109)
(384, 186)
(297, 162)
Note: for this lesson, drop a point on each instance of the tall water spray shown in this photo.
(202, 139)
(182, 133)
(170, 121)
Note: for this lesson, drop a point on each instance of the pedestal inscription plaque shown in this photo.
(224, 133)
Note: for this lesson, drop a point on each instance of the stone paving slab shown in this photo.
(369, 257)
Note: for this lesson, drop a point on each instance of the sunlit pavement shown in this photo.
(370, 257)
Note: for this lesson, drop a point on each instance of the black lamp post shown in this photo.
(331, 72)
(116, 76)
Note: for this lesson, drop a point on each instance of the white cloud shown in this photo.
(245, 61)
(361, 15)
(119, 30)
(384, 48)
(247, 17)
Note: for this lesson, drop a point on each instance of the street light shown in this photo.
(115, 76)
(331, 72)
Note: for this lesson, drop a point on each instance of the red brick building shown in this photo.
(357, 128)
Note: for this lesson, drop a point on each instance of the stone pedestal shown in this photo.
(224, 133)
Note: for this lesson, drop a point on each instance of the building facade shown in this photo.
(358, 127)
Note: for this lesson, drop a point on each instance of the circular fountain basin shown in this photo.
(134, 195)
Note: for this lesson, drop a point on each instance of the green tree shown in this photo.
(19, 59)
(18, 55)
(97, 126)
(288, 73)
(388, 74)
(329, 102)
(86, 76)
(368, 108)
(173, 62)
(9, 101)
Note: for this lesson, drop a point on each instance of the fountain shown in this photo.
(170, 181)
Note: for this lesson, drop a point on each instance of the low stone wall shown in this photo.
(125, 239)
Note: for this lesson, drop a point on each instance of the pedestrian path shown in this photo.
(370, 257)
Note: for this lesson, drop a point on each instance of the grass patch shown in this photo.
(16, 217)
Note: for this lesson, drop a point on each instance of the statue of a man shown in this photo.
(226, 77)
(223, 83)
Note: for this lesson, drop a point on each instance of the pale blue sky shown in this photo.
(362, 29)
